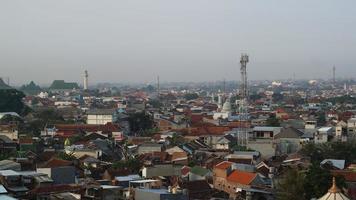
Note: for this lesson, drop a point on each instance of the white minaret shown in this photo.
(86, 80)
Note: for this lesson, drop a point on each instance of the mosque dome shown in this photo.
(334, 193)
(227, 106)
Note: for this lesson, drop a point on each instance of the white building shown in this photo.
(225, 112)
(102, 116)
(323, 134)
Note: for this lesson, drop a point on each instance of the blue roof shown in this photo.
(157, 191)
(2, 190)
(128, 178)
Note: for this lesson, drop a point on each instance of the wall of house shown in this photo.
(100, 119)
(10, 133)
(288, 145)
(220, 182)
(148, 149)
(80, 153)
(222, 146)
(264, 146)
(195, 177)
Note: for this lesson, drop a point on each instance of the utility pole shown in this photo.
(158, 88)
(334, 69)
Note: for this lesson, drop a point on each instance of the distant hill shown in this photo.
(4, 86)
(31, 88)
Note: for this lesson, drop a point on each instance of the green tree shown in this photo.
(176, 140)
(318, 181)
(321, 120)
(277, 97)
(140, 122)
(191, 96)
(331, 150)
(132, 164)
(11, 101)
(272, 121)
(155, 103)
(43, 118)
(254, 97)
(291, 186)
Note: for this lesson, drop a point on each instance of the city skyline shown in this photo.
(118, 41)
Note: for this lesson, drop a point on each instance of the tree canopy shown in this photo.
(11, 101)
(331, 150)
(140, 122)
(132, 164)
(272, 121)
(191, 96)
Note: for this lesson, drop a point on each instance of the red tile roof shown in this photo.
(223, 165)
(185, 170)
(54, 162)
(74, 128)
(178, 155)
(208, 130)
(55, 189)
(241, 177)
(349, 175)
(26, 141)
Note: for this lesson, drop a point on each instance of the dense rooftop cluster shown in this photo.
(179, 142)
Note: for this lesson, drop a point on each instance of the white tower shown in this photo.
(85, 80)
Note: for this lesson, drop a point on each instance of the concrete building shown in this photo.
(288, 141)
(261, 139)
(101, 116)
(351, 127)
(161, 170)
(150, 148)
(323, 134)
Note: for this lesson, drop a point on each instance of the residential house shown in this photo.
(10, 165)
(199, 173)
(124, 181)
(341, 131)
(13, 183)
(161, 170)
(10, 131)
(261, 139)
(199, 189)
(107, 192)
(158, 194)
(7, 146)
(60, 171)
(289, 140)
(234, 179)
(324, 134)
(351, 127)
(149, 148)
(244, 157)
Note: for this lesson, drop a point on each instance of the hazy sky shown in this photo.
(180, 40)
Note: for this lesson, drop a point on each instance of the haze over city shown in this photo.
(134, 41)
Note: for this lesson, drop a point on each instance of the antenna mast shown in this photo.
(244, 98)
